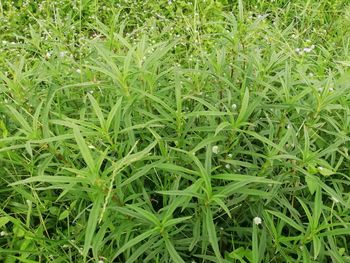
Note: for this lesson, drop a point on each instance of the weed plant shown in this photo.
(174, 131)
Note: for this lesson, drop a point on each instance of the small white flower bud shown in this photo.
(257, 220)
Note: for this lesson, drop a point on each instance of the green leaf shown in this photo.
(92, 222)
(209, 222)
(175, 221)
(203, 172)
(172, 251)
(287, 220)
(311, 182)
(221, 203)
(240, 253)
(141, 250)
(243, 178)
(20, 119)
(50, 179)
(240, 11)
(140, 173)
(255, 244)
(244, 107)
(196, 233)
(221, 127)
(178, 87)
(317, 207)
(325, 171)
(98, 111)
(4, 221)
(114, 114)
(336, 232)
(145, 214)
(317, 244)
(63, 215)
(84, 150)
(206, 142)
(135, 241)
(264, 140)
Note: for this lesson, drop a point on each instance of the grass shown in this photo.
(174, 131)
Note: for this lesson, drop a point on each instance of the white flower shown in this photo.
(262, 16)
(331, 89)
(300, 51)
(62, 54)
(257, 220)
(215, 149)
(307, 49)
(320, 89)
(100, 261)
(78, 71)
(320, 168)
(227, 166)
(48, 55)
(230, 155)
(3, 233)
(234, 106)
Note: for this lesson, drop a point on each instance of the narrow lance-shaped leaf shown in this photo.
(98, 111)
(172, 251)
(135, 241)
(209, 221)
(244, 107)
(92, 223)
(84, 150)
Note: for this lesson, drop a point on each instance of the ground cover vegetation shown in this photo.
(174, 131)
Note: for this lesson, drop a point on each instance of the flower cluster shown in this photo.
(257, 220)
(301, 51)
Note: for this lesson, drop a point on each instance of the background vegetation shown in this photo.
(174, 131)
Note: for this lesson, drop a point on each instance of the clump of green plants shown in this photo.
(174, 131)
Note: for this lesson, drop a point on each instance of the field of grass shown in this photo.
(174, 131)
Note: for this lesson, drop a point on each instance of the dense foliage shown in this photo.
(174, 131)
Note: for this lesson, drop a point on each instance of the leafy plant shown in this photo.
(174, 131)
